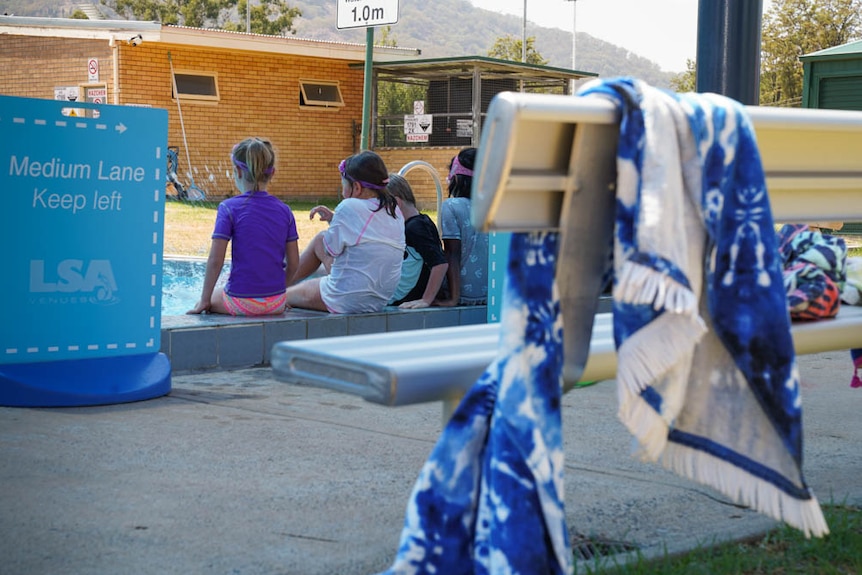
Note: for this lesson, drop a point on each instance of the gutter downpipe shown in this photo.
(115, 56)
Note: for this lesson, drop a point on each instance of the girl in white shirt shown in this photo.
(362, 249)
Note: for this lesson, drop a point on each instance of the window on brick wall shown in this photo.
(320, 94)
(197, 85)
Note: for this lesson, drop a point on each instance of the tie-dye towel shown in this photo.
(490, 497)
(707, 373)
(852, 292)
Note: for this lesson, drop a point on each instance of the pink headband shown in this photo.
(458, 170)
(243, 166)
(342, 168)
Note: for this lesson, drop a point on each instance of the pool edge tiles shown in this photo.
(218, 342)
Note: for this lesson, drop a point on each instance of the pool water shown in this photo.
(182, 280)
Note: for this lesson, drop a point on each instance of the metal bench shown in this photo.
(544, 160)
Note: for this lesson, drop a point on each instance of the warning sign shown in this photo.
(417, 124)
(66, 93)
(93, 70)
(97, 95)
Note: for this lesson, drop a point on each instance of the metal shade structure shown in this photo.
(461, 88)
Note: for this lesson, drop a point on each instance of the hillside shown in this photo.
(466, 30)
(451, 28)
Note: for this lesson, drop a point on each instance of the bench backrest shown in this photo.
(538, 148)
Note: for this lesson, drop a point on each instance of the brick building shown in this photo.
(302, 94)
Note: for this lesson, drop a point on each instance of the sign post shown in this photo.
(84, 210)
(366, 14)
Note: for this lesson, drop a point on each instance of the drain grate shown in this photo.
(587, 548)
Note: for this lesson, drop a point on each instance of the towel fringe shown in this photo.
(651, 431)
(746, 489)
(646, 355)
(642, 285)
(644, 423)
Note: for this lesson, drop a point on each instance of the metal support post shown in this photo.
(728, 48)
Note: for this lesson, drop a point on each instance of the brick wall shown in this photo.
(259, 96)
(33, 67)
(421, 180)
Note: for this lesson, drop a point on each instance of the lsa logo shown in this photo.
(91, 281)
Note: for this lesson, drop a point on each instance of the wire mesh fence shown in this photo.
(439, 111)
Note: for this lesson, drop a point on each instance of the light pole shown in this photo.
(523, 45)
(574, 41)
(524, 36)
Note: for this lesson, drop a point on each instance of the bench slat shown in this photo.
(416, 366)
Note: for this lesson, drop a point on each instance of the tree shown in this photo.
(793, 28)
(685, 81)
(79, 15)
(274, 17)
(509, 48)
(166, 12)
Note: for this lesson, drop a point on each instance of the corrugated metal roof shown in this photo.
(836, 52)
(436, 68)
(199, 37)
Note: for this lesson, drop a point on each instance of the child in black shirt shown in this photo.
(424, 266)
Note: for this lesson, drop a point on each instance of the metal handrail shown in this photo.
(431, 170)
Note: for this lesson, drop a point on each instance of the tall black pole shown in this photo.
(728, 48)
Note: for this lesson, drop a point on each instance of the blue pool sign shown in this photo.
(82, 227)
(498, 260)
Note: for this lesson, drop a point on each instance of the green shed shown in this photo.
(832, 78)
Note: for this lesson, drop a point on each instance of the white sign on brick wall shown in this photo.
(93, 70)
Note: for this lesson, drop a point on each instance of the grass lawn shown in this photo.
(189, 226)
(783, 551)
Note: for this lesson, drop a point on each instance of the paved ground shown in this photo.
(237, 473)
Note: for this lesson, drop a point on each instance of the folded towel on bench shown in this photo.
(706, 369)
(815, 271)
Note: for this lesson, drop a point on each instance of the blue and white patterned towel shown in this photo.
(706, 369)
(490, 497)
(707, 374)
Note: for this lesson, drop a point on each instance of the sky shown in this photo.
(664, 31)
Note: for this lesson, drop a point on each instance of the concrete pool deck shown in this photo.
(236, 472)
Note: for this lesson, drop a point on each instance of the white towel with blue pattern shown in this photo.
(707, 373)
